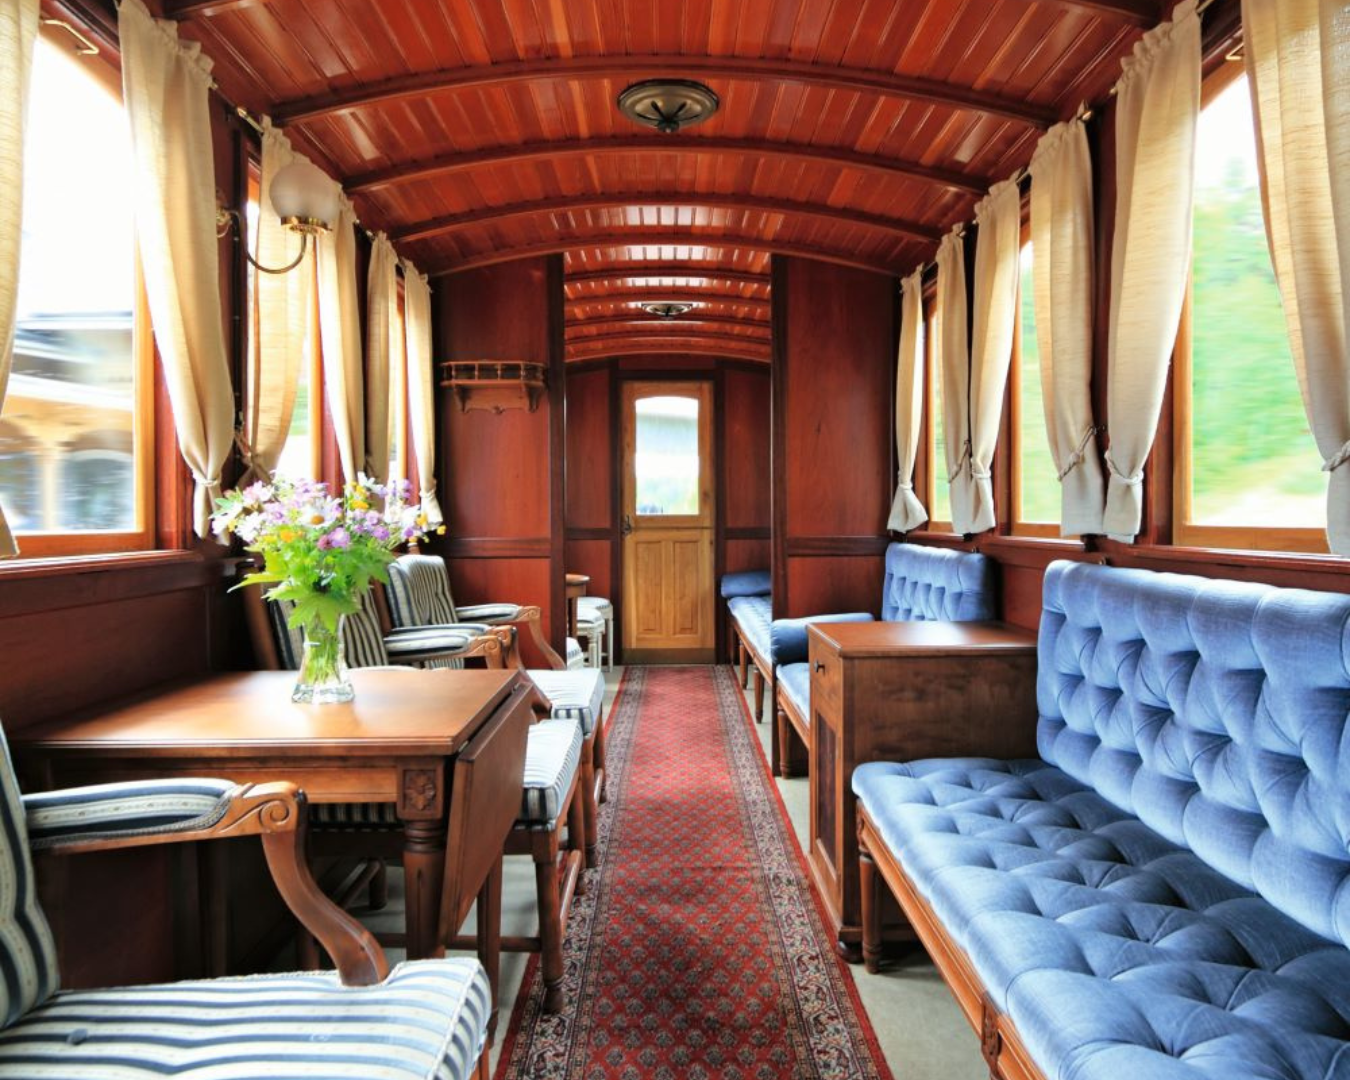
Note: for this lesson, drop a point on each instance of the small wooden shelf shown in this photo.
(494, 385)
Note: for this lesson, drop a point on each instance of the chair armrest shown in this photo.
(788, 643)
(531, 616)
(144, 809)
(492, 614)
(275, 812)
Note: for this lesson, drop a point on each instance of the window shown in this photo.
(76, 437)
(666, 462)
(1036, 497)
(399, 465)
(1249, 472)
(940, 510)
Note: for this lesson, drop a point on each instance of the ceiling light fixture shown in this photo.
(666, 309)
(668, 104)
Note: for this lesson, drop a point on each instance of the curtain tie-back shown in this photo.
(980, 474)
(1128, 479)
(1340, 458)
(961, 464)
(1080, 452)
(903, 482)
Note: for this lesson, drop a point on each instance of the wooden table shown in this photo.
(395, 743)
(900, 692)
(574, 588)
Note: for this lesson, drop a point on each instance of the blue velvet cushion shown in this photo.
(746, 583)
(1115, 952)
(927, 584)
(795, 681)
(1216, 712)
(753, 615)
(788, 640)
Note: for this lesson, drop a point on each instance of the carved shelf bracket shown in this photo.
(494, 385)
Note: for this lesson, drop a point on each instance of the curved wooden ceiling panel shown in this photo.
(855, 131)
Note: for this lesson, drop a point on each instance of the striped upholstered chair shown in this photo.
(425, 1018)
(420, 599)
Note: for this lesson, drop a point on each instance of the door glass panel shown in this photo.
(666, 462)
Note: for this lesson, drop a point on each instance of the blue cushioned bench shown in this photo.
(747, 594)
(920, 584)
(1164, 894)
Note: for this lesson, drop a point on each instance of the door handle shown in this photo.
(818, 666)
(627, 526)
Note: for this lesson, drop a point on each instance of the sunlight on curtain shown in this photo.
(340, 336)
(383, 345)
(906, 511)
(421, 394)
(1297, 54)
(165, 87)
(18, 31)
(953, 357)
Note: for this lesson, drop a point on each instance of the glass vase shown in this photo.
(323, 668)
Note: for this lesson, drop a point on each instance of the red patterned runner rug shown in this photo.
(699, 950)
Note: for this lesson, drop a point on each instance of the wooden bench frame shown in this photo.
(790, 720)
(1002, 1046)
(746, 654)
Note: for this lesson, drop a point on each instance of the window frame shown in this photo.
(936, 455)
(1042, 530)
(1185, 531)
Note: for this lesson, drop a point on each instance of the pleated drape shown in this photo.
(906, 511)
(18, 32)
(1157, 107)
(997, 245)
(1298, 63)
(1062, 236)
(340, 334)
(953, 355)
(165, 85)
(383, 347)
(421, 394)
(283, 306)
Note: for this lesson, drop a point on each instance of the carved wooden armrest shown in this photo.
(497, 647)
(532, 616)
(275, 812)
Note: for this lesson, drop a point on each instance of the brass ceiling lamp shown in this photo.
(668, 104)
(666, 309)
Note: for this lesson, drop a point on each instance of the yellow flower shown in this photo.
(440, 530)
(422, 520)
(316, 519)
(286, 535)
(360, 504)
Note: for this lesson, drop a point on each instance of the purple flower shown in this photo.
(411, 532)
(339, 538)
(380, 533)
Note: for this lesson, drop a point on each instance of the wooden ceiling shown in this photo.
(856, 131)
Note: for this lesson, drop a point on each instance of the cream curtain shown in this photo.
(283, 306)
(906, 511)
(1298, 61)
(1156, 109)
(165, 84)
(953, 347)
(1062, 239)
(421, 394)
(384, 345)
(18, 32)
(340, 334)
(998, 242)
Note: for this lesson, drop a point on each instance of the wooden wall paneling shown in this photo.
(746, 461)
(835, 339)
(501, 474)
(588, 465)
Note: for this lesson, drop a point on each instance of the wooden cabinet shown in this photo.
(899, 692)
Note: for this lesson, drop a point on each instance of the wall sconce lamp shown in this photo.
(304, 198)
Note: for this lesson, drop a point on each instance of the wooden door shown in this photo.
(668, 522)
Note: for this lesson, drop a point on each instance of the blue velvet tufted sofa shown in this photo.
(921, 584)
(1165, 893)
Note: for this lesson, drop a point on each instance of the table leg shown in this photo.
(489, 920)
(424, 873)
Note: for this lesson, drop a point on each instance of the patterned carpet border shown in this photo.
(831, 1036)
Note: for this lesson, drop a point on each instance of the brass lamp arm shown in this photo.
(225, 217)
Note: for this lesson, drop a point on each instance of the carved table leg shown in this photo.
(424, 872)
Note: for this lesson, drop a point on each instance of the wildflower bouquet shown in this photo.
(320, 553)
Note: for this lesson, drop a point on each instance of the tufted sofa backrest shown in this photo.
(1216, 712)
(925, 584)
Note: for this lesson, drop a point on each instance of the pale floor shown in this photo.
(917, 1022)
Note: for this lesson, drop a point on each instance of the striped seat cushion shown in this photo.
(552, 754)
(415, 643)
(136, 808)
(576, 695)
(594, 607)
(28, 974)
(575, 656)
(427, 1021)
(490, 613)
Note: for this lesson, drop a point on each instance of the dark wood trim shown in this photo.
(575, 68)
(677, 270)
(493, 547)
(616, 509)
(656, 332)
(574, 533)
(635, 347)
(676, 292)
(642, 322)
(687, 237)
(557, 453)
(58, 584)
(807, 546)
(891, 168)
(778, 269)
(719, 433)
(750, 533)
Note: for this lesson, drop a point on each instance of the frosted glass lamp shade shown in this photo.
(302, 194)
